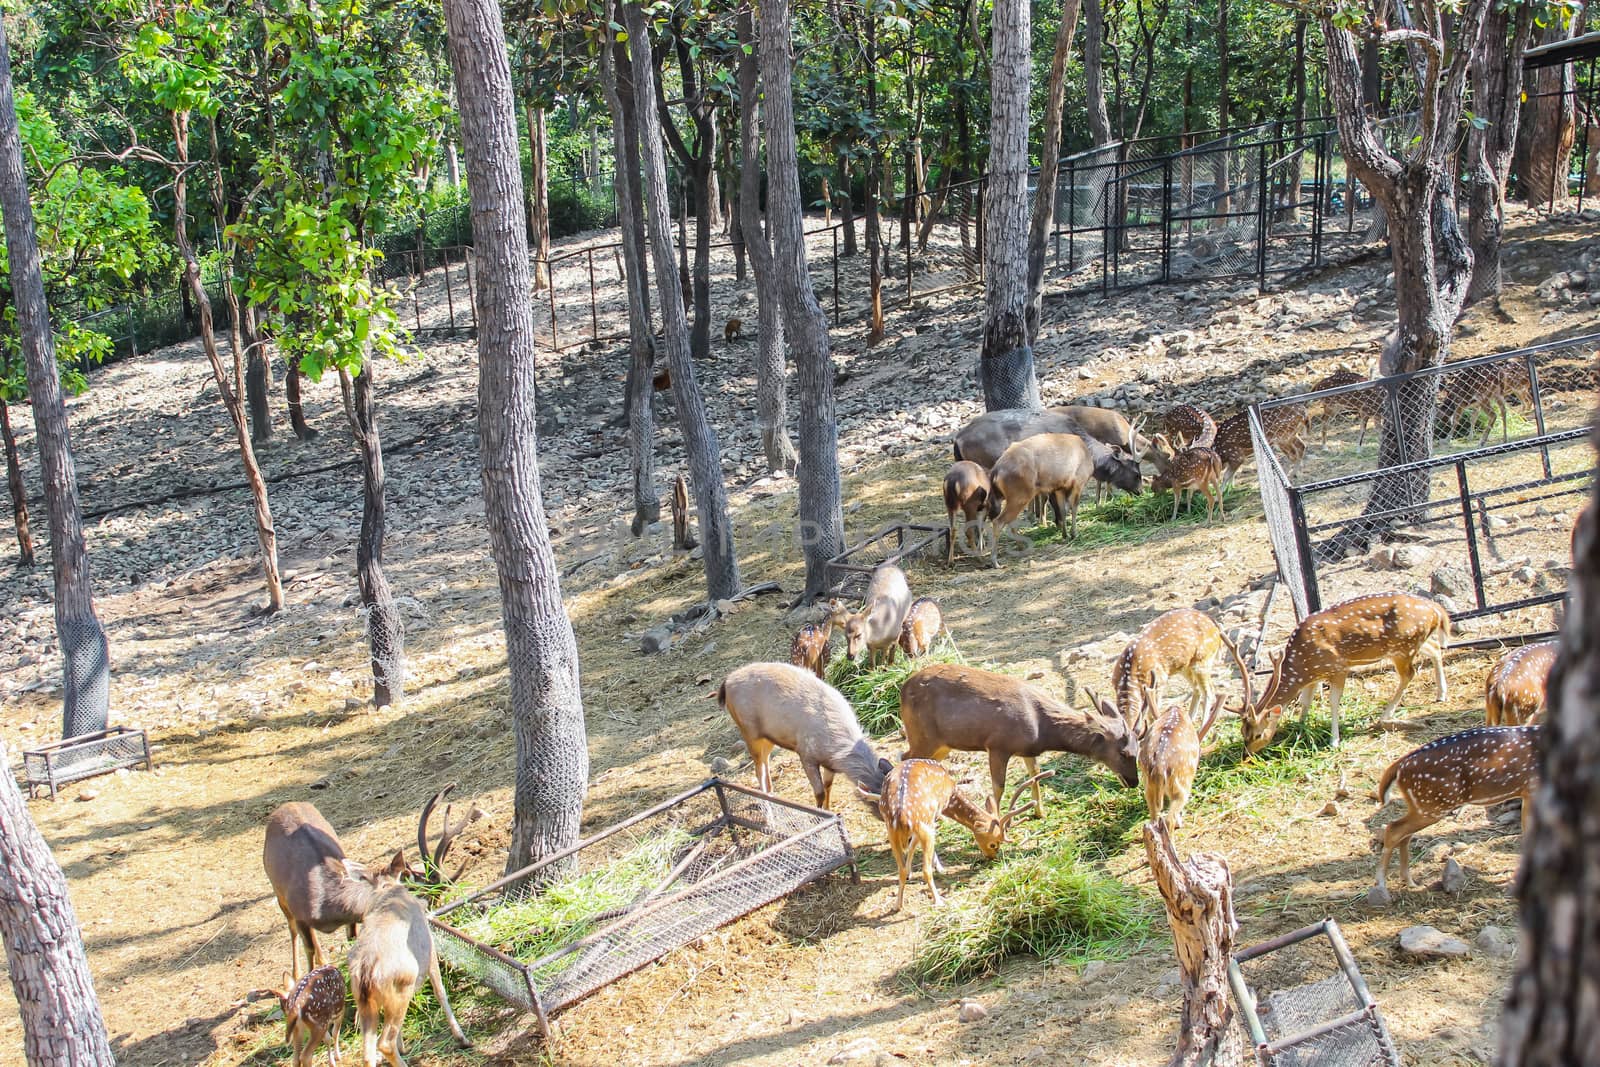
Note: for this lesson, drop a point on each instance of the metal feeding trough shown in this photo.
(849, 572)
(52, 766)
(1327, 1020)
(636, 891)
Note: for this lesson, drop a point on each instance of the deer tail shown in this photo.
(1387, 782)
(722, 695)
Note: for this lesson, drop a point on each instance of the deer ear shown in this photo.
(397, 866)
(353, 870)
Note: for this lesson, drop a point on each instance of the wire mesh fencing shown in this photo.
(47, 768)
(1461, 481)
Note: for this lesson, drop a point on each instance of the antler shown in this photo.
(1216, 709)
(1018, 794)
(447, 834)
(1244, 676)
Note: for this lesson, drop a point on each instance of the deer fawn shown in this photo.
(313, 1013)
(779, 705)
(1365, 404)
(393, 952)
(1196, 469)
(1286, 428)
(876, 627)
(966, 489)
(1397, 627)
(945, 707)
(1184, 642)
(1485, 765)
(915, 793)
(810, 648)
(1187, 426)
(1514, 691)
(924, 620)
(318, 889)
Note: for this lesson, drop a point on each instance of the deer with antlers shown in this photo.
(1169, 757)
(915, 793)
(1399, 627)
(1182, 642)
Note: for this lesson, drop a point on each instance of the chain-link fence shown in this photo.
(1461, 480)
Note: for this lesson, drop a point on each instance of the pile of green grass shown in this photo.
(1125, 519)
(874, 692)
(1469, 429)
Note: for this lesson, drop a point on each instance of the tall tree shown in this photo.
(1044, 200)
(61, 1021)
(699, 439)
(86, 659)
(821, 518)
(546, 702)
(1005, 364)
(19, 489)
(1492, 138)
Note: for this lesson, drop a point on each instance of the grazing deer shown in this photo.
(966, 489)
(810, 648)
(1057, 465)
(779, 705)
(1365, 404)
(313, 1013)
(923, 622)
(984, 440)
(733, 331)
(318, 888)
(1169, 756)
(1485, 765)
(1397, 627)
(1514, 690)
(1486, 390)
(1184, 642)
(946, 706)
(1287, 428)
(393, 952)
(915, 793)
(1196, 469)
(876, 627)
(1188, 426)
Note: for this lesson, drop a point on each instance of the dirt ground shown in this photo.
(246, 712)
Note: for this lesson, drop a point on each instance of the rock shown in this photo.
(1330, 809)
(1496, 943)
(1497, 524)
(1426, 942)
(1524, 574)
(1407, 557)
(971, 1011)
(87, 795)
(1093, 969)
(656, 639)
(1172, 979)
(1454, 879)
(1451, 581)
(721, 765)
(861, 1050)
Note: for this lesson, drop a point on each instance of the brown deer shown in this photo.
(966, 489)
(1514, 690)
(319, 890)
(1287, 428)
(1182, 642)
(810, 648)
(923, 622)
(915, 793)
(1196, 469)
(1169, 756)
(779, 705)
(391, 954)
(313, 1013)
(1364, 404)
(1486, 390)
(1485, 765)
(1188, 426)
(985, 439)
(946, 706)
(876, 627)
(1398, 627)
(733, 331)
(1057, 465)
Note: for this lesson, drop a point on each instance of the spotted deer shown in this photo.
(1485, 765)
(923, 622)
(1366, 405)
(1182, 642)
(915, 793)
(1169, 757)
(313, 1013)
(1193, 470)
(1514, 690)
(1187, 426)
(1286, 428)
(1485, 390)
(876, 627)
(1398, 627)
(810, 648)
(966, 490)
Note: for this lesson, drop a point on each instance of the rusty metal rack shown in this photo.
(730, 849)
(1330, 1020)
(849, 572)
(52, 766)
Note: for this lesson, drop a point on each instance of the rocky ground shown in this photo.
(247, 711)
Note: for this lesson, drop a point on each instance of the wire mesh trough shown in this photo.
(1308, 1006)
(636, 891)
(848, 573)
(52, 766)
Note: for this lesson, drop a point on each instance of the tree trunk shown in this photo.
(821, 518)
(61, 1021)
(1223, 202)
(265, 534)
(1005, 364)
(291, 393)
(1044, 201)
(1199, 899)
(874, 191)
(86, 665)
(700, 440)
(546, 701)
(257, 381)
(1549, 1015)
(618, 85)
(386, 632)
(1497, 92)
(1544, 147)
(714, 200)
(539, 164)
(19, 490)
(847, 208)
(772, 407)
(1094, 37)
(452, 164)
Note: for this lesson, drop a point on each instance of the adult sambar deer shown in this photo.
(948, 706)
(318, 889)
(1398, 627)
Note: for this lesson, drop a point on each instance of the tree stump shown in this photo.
(1199, 899)
(682, 539)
